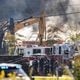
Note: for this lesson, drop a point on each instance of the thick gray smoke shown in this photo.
(66, 10)
(19, 8)
(57, 8)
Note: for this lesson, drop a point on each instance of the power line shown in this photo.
(63, 14)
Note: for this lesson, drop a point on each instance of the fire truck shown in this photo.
(57, 51)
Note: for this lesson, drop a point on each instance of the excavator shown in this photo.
(42, 26)
(13, 27)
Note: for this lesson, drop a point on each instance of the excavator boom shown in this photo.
(22, 24)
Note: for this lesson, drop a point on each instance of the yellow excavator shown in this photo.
(42, 26)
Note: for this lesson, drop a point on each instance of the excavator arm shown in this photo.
(22, 24)
(42, 29)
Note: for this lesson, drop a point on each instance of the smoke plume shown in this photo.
(67, 11)
(19, 8)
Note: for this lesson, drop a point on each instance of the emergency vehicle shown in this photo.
(9, 71)
(58, 51)
(31, 51)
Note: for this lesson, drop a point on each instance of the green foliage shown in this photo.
(65, 72)
(11, 50)
(51, 42)
(11, 42)
(75, 38)
(76, 73)
(76, 69)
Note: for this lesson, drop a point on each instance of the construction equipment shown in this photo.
(42, 27)
(13, 27)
